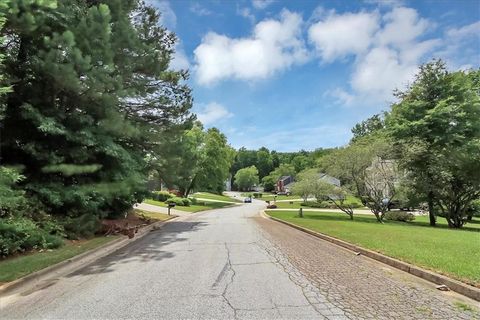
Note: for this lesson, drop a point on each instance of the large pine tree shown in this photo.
(92, 96)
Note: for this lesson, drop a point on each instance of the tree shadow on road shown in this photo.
(150, 247)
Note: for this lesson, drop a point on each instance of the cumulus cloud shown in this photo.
(273, 46)
(261, 4)
(340, 35)
(212, 113)
(386, 50)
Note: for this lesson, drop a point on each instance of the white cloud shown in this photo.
(261, 4)
(386, 3)
(246, 13)
(212, 113)
(403, 25)
(387, 50)
(340, 35)
(199, 10)
(180, 60)
(274, 46)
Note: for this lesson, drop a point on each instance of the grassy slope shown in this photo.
(201, 206)
(16, 267)
(452, 252)
(153, 215)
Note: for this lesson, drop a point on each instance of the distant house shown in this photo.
(284, 184)
(329, 179)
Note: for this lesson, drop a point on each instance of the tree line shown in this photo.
(423, 152)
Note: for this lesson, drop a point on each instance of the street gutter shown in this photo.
(454, 285)
(70, 265)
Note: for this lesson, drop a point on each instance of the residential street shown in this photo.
(232, 263)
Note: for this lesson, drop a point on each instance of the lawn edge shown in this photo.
(439, 279)
(81, 259)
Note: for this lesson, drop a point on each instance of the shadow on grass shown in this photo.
(333, 216)
(150, 247)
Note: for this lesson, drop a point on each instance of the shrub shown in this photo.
(399, 216)
(21, 234)
(321, 205)
(161, 195)
(193, 200)
(179, 201)
(84, 226)
(257, 195)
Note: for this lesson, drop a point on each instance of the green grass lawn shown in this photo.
(452, 252)
(17, 267)
(200, 206)
(213, 196)
(153, 215)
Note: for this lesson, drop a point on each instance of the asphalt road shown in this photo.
(221, 264)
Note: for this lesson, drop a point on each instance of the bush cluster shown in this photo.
(399, 216)
(22, 234)
(322, 205)
(161, 195)
(185, 202)
(257, 195)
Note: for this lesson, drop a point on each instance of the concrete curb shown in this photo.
(455, 285)
(84, 258)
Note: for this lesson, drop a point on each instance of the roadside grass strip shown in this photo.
(452, 252)
(19, 266)
(213, 196)
(200, 206)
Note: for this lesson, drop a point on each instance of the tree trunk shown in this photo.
(431, 213)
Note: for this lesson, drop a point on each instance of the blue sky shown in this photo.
(293, 75)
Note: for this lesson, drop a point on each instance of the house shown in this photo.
(329, 179)
(382, 177)
(284, 185)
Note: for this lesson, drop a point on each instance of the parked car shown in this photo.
(247, 200)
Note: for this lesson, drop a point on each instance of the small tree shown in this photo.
(302, 189)
(246, 178)
(361, 166)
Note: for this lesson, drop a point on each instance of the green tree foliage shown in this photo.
(201, 161)
(310, 184)
(92, 97)
(215, 168)
(246, 178)
(367, 127)
(436, 130)
(364, 169)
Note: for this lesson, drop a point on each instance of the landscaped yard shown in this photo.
(200, 206)
(213, 196)
(17, 267)
(452, 252)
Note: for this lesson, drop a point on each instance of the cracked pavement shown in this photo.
(231, 264)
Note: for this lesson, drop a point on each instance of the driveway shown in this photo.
(232, 264)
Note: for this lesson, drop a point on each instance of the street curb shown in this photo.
(89, 257)
(454, 285)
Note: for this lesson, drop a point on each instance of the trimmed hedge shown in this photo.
(399, 216)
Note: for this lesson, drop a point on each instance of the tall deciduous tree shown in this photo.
(436, 131)
(246, 178)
